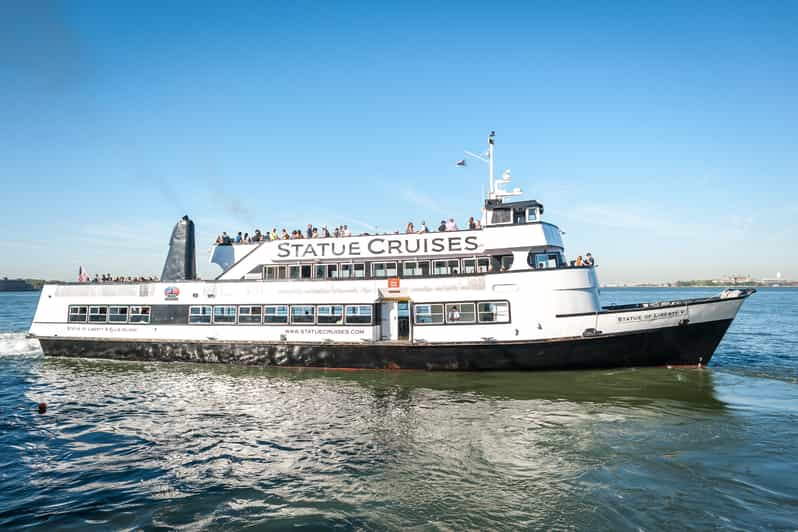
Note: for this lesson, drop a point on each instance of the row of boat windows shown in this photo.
(459, 313)
(414, 268)
(383, 270)
(109, 314)
(281, 314)
(424, 314)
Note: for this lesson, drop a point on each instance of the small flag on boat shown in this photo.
(461, 162)
(83, 275)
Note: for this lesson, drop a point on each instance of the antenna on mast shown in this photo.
(490, 158)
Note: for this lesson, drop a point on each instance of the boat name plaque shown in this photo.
(378, 246)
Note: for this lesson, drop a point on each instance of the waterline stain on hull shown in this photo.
(691, 344)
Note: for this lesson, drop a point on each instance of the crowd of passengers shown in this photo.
(108, 278)
(341, 231)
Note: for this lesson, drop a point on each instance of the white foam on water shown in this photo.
(16, 344)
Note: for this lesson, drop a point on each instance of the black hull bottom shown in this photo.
(691, 344)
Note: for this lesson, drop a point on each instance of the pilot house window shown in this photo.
(501, 216)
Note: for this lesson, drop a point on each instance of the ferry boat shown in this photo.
(499, 297)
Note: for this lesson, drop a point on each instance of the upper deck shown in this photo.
(239, 260)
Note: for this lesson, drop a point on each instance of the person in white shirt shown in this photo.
(347, 232)
(422, 228)
(450, 225)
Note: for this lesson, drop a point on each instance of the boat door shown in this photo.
(395, 321)
(403, 313)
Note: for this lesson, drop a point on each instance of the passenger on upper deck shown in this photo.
(442, 226)
(346, 230)
(589, 260)
(284, 235)
(450, 225)
(471, 223)
(410, 229)
(423, 229)
(579, 261)
(273, 234)
(309, 232)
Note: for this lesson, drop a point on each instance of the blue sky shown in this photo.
(659, 136)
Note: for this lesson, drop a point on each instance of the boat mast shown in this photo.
(490, 159)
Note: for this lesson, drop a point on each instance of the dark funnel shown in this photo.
(181, 263)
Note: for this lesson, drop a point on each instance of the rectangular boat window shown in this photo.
(506, 262)
(98, 314)
(275, 273)
(78, 314)
(460, 313)
(483, 264)
(330, 314)
(470, 265)
(358, 314)
(139, 315)
(381, 270)
(416, 268)
(532, 214)
(293, 271)
(200, 314)
(326, 271)
(494, 312)
(275, 314)
(302, 314)
(427, 313)
(446, 267)
(305, 271)
(117, 314)
(359, 270)
(540, 261)
(249, 314)
(346, 271)
(224, 314)
(501, 216)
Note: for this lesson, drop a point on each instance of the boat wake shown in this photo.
(15, 343)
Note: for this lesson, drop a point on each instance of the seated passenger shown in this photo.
(309, 231)
(471, 223)
(579, 262)
(239, 238)
(442, 226)
(226, 241)
(423, 228)
(218, 240)
(410, 229)
(284, 235)
(450, 225)
(324, 232)
(315, 233)
(589, 260)
(346, 231)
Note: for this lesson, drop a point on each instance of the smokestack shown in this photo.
(181, 263)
